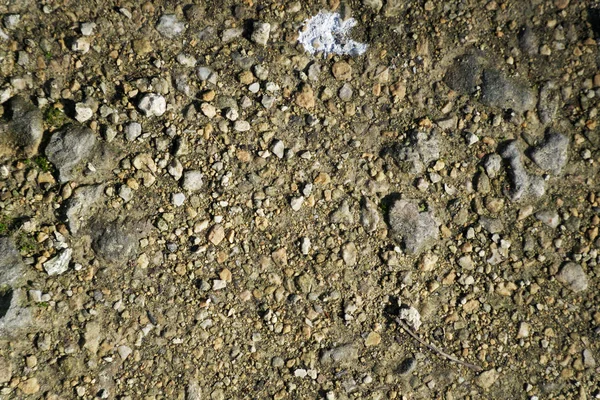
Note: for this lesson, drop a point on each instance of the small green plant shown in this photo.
(43, 163)
(54, 117)
(3, 228)
(48, 56)
(26, 243)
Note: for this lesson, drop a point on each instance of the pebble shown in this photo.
(30, 386)
(132, 131)
(552, 154)
(350, 254)
(342, 71)
(492, 165)
(573, 277)
(177, 199)
(169, 26)
(192, 181)
(209, 110)
(486, 379)
(81, 45)
(216, 234)
(241, 126)
(305, 246)
(219, 284)
(369, 215)
(548, 217)
(87, 28)
(278, 148)
(124, 351)
(345, 92)
(411, 316)
(260, 33)
(296, 203)
(83, 112)
(373, 339)
(305, 97)
(417, 230)
(152, 104)
(340, 354)
(58, 264)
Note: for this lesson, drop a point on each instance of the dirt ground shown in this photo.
(195, 205)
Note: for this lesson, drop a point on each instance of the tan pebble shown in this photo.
(216, 235)
(30, 386)
(225, 275)
(305, 97)
(342, 71)
(373, 339)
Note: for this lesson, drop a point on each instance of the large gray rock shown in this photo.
(13, 315)
(11, 263)
(522, 185)
(497, 90)
(169, 26)
(82, 205)
(70, 149)
(117, 241)
(552, 154)
(471, 71)
(418, 230)
(421, 149)
(573, 277)
(22, 133)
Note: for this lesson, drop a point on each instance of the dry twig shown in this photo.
(433, 348)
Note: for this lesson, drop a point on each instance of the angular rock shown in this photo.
(69, 150)
(91, 336)
(548, 102)
(552, 154)
(82, 205)
(132, 131)
(418, 230)
(260, 33)
(548, 217)
(369, 215)
(343, 215)
(350, 254)
(118, 241)
(169, 26)
(465, 74)
(497, 90)
(58, 264)
(421, 149)
(22, 133)
(341, 354)
(486, 379)
(152, 104)
(11, 263)
(192, 181)
(522, 185)
(573, 277)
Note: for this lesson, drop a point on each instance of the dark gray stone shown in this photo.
(13, 315)
(70, 149)
(11, 263)
(23, 131)
(528, 41)
(497, 90)
(522, 185)
(417, 230)
(552, 154)
(117, 241)
(465, 74)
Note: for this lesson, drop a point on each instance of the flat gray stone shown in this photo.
(418, 230)
(573, 277)
(69, 150)
(23, 131)
(552, 154)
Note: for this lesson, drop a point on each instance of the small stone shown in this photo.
(126, 193)
(216, 234)
(30, 386)
(486, 379)
(304, 283)
(482, 183)
(279, 256)
(260, 33)
(548, 217)
(277, 362)
(141, 47)
(417, 229)
(411, 316)
(209, 110)
(5, 370)
(177, 199)
(305, 245)
(87, 28)
(175, 169)
(342, 354)
(91, 336)
(350, 254)
(219, 284)
(305, 97)
(124, 351)
(345, 92)
(492, 165)
(296, 203)
(373, 339)
(561, 4)
(524, 330)
(278, 148)
(152, 104)
(407, 366)
(342, 71)
(169, 26)
(552, 154)
(225, 275)
(369, 215)
(192, 181)
(132, 131)
(58, 264)
(588, 359)
(83, 112)
(81, 45)
(241, 126)
(573, 277)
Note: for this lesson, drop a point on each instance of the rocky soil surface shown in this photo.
(196, 205)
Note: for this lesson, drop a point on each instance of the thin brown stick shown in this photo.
(433, 348)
